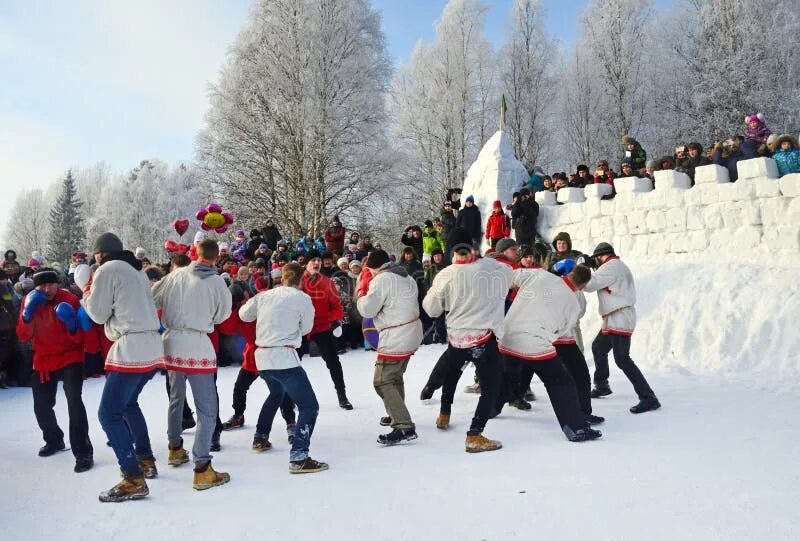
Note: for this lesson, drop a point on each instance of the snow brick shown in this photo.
(712, 216)
(607, 207)
(790, 185)
(637, 222)
(633, 184)
(656, 221)
(751, 213)
(545, 199)
(731, 214)
(711, 174)
(774, 211)
(694, 218)
(748, 236)
(767, 187)
(671, 180)
(678, 243)
(757, 167)
(621, 224)
(571, 195)
(592, 208)
(676, 220)
(698, 241)
(597, 190)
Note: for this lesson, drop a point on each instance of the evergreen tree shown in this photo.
(67, 231)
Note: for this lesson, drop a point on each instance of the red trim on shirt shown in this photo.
(545, 356)
(569, 283)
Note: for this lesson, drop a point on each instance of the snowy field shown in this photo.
(718, 461)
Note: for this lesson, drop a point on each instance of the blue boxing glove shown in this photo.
(564, 267)
(33, 302)
(84, 321)
(68, 315)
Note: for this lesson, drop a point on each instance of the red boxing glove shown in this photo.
(366, 278)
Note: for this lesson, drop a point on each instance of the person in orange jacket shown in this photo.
(48, 317)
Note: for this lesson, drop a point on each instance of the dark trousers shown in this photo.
(230, 350)
(511, 374)
(44, 399)
(439, 372)
(8, 354)
(486, 359)
(621, 346)
(560, 389)
(294, 382)
(525, 378)
(122, 418)
(575, 363)
(326, 344)
(243, 382)
(93, 364)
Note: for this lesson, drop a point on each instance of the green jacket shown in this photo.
(431, 239)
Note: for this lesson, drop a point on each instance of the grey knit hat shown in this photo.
(107, 242)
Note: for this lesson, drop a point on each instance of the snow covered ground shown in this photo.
(718, 461)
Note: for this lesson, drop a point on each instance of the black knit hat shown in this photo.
(603, 248)
(312, 254)
(107, 242)
(45, 276)
(377, 259)
(458, 236)
(428, 223)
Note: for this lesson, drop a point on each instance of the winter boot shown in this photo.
(236, 421)
(309, 465)
(582, 434)
(49, 449)
(177, 455)
(188, 422)
(206, 477)
(132, 487)
(216, 446)
(398, 435)
(594, 419)
(646, 404)
(443, 421)
(344, 403)
(600, 390)
(475, 388)
(426, 394)
(386, 421)
(478, 444)
(83, 463)
(529, 396)
(260, 444)
(290, 433)
(148, 467)
(520, 404)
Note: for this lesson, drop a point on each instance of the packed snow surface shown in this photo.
(717, 341)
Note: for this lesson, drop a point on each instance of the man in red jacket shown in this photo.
(57, 354)
(334, 237)
(328, 316)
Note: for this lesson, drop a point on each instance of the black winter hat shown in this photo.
(504, 244)
(10, 254)
(312, 254)
(540, 252)
(377, 259)
(458, 238)
(603, 248)
(429, 224)
(436, 250)
(107, 242)
(45, 276)
(524, 191)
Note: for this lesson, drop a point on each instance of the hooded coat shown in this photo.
(568, 254)
(470, 219)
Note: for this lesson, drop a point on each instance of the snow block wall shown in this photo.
(758, 212)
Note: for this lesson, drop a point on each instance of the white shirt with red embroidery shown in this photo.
(544, 309)
(616, 295)
(473, 295)
(191, 304)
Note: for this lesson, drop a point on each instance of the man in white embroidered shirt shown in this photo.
(193, 299)
(284, 315)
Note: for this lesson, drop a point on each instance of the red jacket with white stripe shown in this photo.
(326, 301)
(616, 295)
(545, 309)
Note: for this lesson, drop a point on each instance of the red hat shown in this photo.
(497, 204)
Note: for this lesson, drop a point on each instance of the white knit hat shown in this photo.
(199, 236)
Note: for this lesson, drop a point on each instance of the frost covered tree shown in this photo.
(297, 128)
(28, 226)
(526, 62)
(581, 119)
(444, 103)
(67, 231)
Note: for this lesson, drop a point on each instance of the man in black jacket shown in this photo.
(271, 234)
(469, 218)
(524, 214)
(412, 237)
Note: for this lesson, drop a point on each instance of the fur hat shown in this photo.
(628, 140)
(45, 276)
(139, 253)
(563, 235)
(694, 145)
(312, 254)
(355, 263)
(200, 236)
(342, 260)
(785, 137)
(377, 259)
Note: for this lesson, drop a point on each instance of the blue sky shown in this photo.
(83, 81)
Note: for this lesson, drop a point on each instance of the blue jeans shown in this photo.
(294, 382)
(122, 419)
